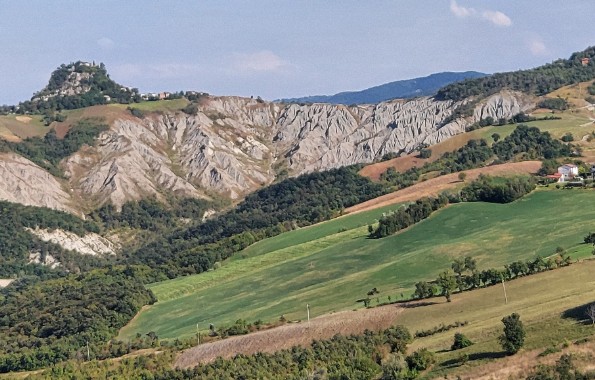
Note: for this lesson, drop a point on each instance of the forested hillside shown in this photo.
(16, 243)
(289, 204)
(45, 322)
(538, 81)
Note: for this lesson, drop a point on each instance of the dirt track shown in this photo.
(437, 185)
(292, 334)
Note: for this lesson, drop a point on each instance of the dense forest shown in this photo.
(16, 243)
(538, 81)
(532, 143)
(48, 151)
(153, 215)
(45, 322)
(498, 189)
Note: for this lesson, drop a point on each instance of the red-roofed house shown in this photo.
(556, 177)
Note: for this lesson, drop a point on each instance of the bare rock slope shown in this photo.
(234, 145)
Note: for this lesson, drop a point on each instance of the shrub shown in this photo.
(420, 360)
(513, 338)
(461, 341)
(567, 137)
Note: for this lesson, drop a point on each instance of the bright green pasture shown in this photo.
(332, 272)
(316, 231)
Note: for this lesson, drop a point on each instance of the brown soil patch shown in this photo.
(292, 334)
(23, 119)
(435, 186)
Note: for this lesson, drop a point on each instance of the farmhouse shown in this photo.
(568, 170)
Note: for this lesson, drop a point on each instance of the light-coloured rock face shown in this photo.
(22, 181)
(4, 282)
(232, 145)
(41, 259)
(503, 105)
(90, 244)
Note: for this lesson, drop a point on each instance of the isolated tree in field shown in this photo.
(514, 334)
(447, 283)
(591, 312)
(461, 341)
(462, 176)
(495, 137)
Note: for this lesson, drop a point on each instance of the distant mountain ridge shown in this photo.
(408, 88)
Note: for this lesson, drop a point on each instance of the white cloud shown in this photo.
(460, 11)
(537, 46)
(262, 61)
(497, 18)
(105, 43)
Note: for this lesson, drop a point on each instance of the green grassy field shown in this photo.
(331, 272)
(22, 126)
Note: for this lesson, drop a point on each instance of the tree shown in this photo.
(447, 283)
(591, 312)
(420, 360)
(514, 334)
(495, 137)
(462, 176)
(423, 290)
(425, 153)
(461, 341)
(398, 338)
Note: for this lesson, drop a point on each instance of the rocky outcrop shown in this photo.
(233, 145)
(503, 105)
(90, 244)
(24, 182)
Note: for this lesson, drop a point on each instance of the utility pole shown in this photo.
(504, 287)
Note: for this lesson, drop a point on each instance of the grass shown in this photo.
(22, 126)
(332, 272)
(541, 300)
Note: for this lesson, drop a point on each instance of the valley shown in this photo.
(131, 228)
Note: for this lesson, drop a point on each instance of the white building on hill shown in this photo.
(568, 170)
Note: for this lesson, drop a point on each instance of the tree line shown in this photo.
(538, 81)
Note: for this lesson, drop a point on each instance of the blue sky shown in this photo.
(282, 48)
